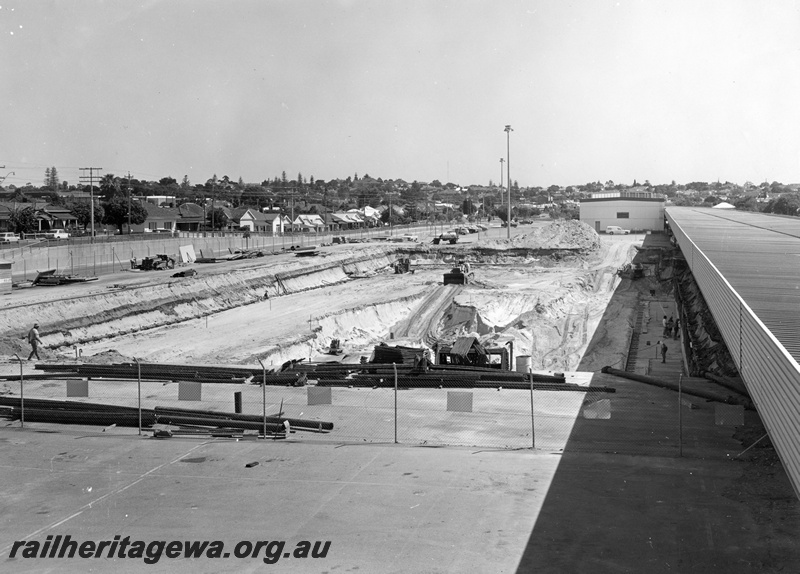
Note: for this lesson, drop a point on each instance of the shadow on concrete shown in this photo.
(623, 500)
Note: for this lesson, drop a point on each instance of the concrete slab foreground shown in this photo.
(384, 508)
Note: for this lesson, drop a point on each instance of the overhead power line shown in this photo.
(90, 178)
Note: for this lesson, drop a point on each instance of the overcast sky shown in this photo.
(594, 90)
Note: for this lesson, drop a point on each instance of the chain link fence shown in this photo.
(633, 419)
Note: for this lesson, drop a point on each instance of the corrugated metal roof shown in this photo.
(747, 266)
(759, 255)
(463, 346)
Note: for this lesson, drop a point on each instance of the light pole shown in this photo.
(508, 131)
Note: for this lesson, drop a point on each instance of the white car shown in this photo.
(616, 230)
(8, 237)
(57, 234)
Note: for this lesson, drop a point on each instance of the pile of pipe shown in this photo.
(434, 376)
(98, 414)
(171, 372)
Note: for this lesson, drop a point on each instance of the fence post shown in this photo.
(533, 428)
(264, 396)
(394, 366)
(21, 393)
(139, 391)
(680, 417)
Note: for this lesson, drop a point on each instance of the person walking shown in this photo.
(663, 352)
(34, 340)
(676, 329)
(664, 324)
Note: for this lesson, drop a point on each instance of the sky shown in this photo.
(594, 90)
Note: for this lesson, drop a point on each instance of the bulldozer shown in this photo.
(403, 265)
(460, 275)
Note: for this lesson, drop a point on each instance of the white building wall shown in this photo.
(642, 215)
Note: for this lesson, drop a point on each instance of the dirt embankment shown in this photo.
(70, 319)
(291, 307)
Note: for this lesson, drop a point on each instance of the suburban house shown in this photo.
(55, 217)
(340, 221)
(257, 221)
(191, 218)
(159, 219)
(310, 222)
(48, 217)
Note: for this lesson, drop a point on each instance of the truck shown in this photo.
(448, 236)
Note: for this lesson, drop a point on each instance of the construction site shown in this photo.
(312, 373)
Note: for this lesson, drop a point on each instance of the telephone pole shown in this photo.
(508, 131)
(502, 161)
(130, 189)
(90, 178)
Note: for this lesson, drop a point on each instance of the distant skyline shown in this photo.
(420, 90)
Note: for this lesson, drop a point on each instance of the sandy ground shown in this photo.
(548, 309)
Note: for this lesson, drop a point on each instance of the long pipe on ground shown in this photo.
(235, 417)
(729, 384)
(731, 400)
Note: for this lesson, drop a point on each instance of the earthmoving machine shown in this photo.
(156, 263)
(460, 275)
(467, 351)
(632, 271)
(335, 347)
(403, 265)
(450, 237)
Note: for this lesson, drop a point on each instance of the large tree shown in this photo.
(110, 187)
(116, 212)
(23, 220)
(82, 212)
(51, 178)
(217, 218)
(786, 204)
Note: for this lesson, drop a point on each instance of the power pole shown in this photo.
(129, 202)
(213, 202)
(508, 131)
(83, 178)
(502, 161)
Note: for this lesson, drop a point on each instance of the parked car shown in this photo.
(8, 237)
(56, 234)
(616, 230)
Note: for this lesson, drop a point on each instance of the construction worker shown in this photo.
(34, 340)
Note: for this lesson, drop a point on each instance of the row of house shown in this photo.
(191, 216)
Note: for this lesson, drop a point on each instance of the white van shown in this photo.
(8, 237)
(616, 230)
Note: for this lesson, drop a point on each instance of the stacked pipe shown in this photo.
(165, 372)
(73, 412)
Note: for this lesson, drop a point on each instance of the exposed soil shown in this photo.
(545, 292)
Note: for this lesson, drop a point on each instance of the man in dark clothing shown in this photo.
(663, 352)
(34, 340)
